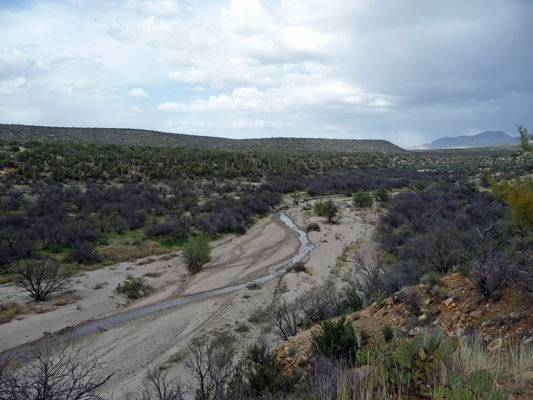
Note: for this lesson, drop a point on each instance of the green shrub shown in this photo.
(362, 199)
(134, 288)
(327, 209)
(432, 278)
(260, 374)
(378, 298)
(387, 332)
(313, 227)
(337, 339)
(352, 301)
(382, 195)
(196, 252)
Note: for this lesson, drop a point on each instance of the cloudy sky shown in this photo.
(408, 71)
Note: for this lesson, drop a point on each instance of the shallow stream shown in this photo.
(87, 328)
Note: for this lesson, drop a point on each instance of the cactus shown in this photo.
(456, 382)
(442, 393)
(480, 381)
(447, 346)
(437, 336)
(495, 395)
(366, 355)
(413, 365)
(463, 394)
(404, 355)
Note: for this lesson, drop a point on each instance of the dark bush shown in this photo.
(313, 227)
(336, 339)
(260, 375)
(387, 332)
(83, 253)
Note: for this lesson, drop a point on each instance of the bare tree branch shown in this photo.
(41, 277)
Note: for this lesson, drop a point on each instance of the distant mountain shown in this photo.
(484, 139)
(23, 133)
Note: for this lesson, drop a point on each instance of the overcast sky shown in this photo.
(408, 71)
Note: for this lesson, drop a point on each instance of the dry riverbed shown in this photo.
(129, 348)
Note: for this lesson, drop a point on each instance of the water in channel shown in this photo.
(273, 271)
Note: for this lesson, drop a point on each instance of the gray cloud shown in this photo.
(408, 71)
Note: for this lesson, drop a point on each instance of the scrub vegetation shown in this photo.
(68, 204)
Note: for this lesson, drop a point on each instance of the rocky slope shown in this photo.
(455, 307)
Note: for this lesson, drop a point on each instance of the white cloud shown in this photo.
(138, 92)
(323, 67)
(160, 8)
(296, 92)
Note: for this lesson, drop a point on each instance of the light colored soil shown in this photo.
(129, 348)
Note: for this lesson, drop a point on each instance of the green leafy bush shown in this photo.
(134, 288)
(362, 199)
(378, 298)
(382, 195)
(259, 375)
(196, 252)
(337, 339)
(327, 209)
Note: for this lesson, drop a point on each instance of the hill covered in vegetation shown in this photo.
(23, 133)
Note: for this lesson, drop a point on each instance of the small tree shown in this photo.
(212, 366)
(68, 374)
(284, 318)
(41, 277)
(327, 209)
(525, 139)
(519, 196)
(158, 385)
(362, 199)
(196, 252)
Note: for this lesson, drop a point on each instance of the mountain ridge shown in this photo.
(125, 136)
(483, 139)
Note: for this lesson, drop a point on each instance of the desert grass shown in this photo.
(8, 311)
(119, 253)
(505, 364)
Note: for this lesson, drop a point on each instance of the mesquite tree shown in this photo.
(41, 277)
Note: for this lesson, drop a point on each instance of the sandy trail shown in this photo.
(128, 348)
